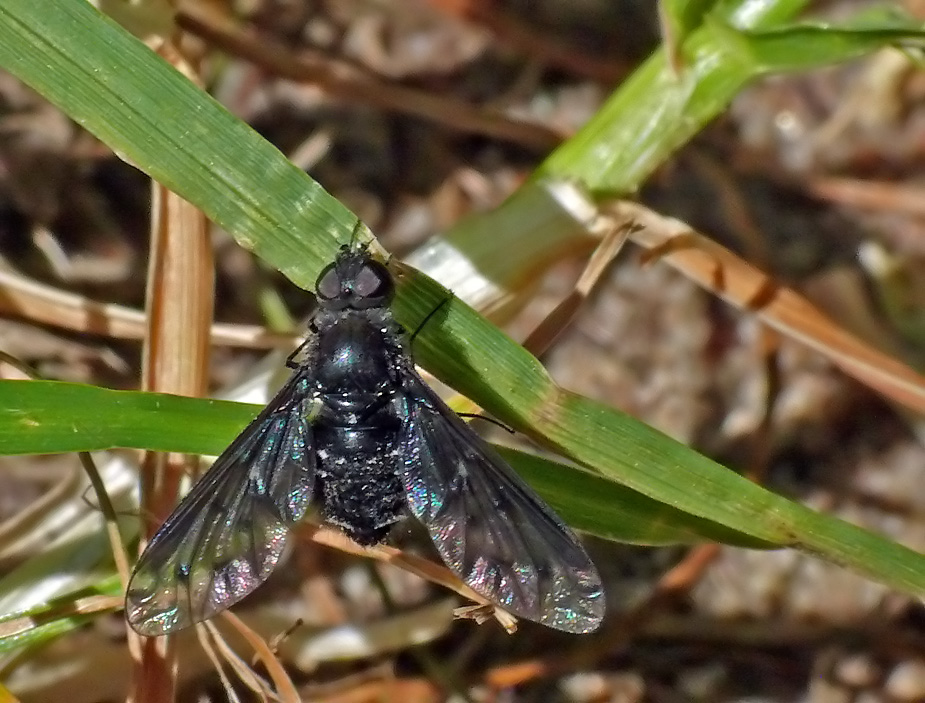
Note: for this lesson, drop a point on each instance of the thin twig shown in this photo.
(41, 303)
(348, 82)
(416, 565)
(556, 322)
(202, 634)
(512, 33)
(284, 686)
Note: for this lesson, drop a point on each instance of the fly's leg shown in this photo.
(427, 319)
(291, 359)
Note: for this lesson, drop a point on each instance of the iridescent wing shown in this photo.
(490, 528)
(228, 533)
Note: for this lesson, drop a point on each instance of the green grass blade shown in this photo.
(47, 416)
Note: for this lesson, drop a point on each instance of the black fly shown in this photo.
(358, 432)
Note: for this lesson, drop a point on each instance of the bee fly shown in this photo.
(356, 431)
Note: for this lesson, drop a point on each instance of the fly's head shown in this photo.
(354, 280)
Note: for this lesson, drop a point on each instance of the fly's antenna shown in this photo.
(352, 245)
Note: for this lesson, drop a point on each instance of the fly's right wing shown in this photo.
(228, 533)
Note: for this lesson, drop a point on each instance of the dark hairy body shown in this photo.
(358, 421)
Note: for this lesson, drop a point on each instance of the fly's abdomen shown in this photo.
(360, 487)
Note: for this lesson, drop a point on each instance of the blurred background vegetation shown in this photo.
(763, 159)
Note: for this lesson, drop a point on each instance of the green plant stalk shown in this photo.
(656, 111)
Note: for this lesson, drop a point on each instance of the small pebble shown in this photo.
(824, 691)
(907, 681)
(627, 688)
(585, 686)
(857, 671)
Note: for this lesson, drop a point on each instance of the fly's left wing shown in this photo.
(228, 533)
(490, 528)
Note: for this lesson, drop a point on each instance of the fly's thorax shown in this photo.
(356, 354)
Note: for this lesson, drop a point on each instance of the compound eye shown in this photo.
(328, 285)
(372, 281)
